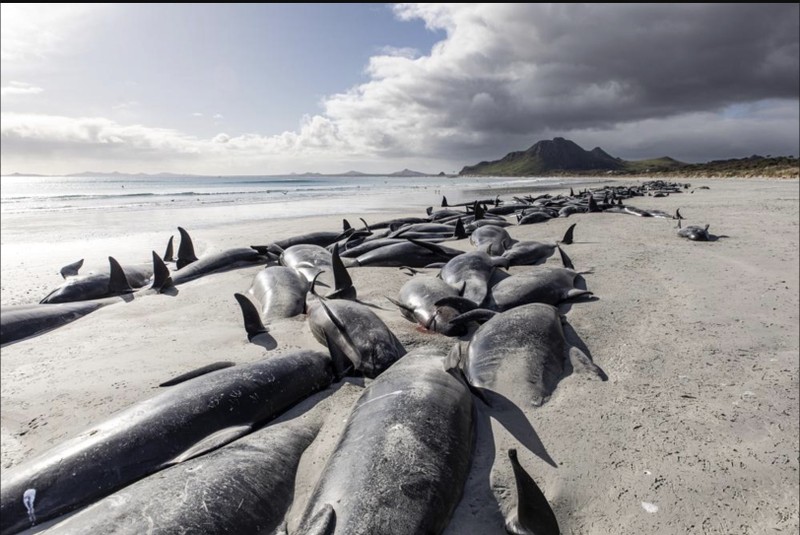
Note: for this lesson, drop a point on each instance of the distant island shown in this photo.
(559, 157)
(562, 157)
(116, 174)
(403, 173)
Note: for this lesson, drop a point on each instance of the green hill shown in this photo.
(561, 156)
(558, 154)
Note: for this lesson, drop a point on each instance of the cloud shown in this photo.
(403, 52)
(126, 105)
(34, 31)
(19, 88)
(218, 116)
(197, 114)
(692, 81)
(507, 74)
(64, 140)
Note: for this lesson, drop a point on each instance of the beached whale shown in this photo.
(419, 299)
(471, 272)
(355, 336)
(542, 284)
(18, 322)
(404, 456)
(280, 292)
(492, 239)
(694, 232)
(190, 267)
(412, 253)
(184, 421)
(117, 281)
(520, 353)
(527, 253)
(307, 259)
(243, 487)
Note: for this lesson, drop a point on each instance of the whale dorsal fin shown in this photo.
(565, 260)
(568, 235)
(252, 319)
(460, 233)
(169, 254)
(343, 284)
(185, 250)
(161, 277)
(118, 283)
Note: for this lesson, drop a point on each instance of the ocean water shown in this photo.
(154, 201)
(31, 194)
(47, 222)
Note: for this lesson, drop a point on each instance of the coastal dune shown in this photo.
(695, 429)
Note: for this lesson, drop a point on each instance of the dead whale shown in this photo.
(404, 456)
(521, 353)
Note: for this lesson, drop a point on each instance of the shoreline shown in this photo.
(695, 430)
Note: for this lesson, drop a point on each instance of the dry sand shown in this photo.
(695, 431)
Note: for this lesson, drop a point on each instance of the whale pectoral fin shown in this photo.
(573, 293)
(453, 366)
(212, 442)
(342, 364)
(70, 270)
(582, 363)
(411, 271)
(462, 304)
(454, 357)
(463, 287)
(351, 350)
(533, 513)
(400, 305)
(323, 522)
(481, 315)
(198, 372)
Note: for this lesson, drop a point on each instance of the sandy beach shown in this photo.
(695, 431)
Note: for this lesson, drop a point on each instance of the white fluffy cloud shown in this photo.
(19, 88)
(693, 81)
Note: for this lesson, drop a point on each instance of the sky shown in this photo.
(226, 89)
